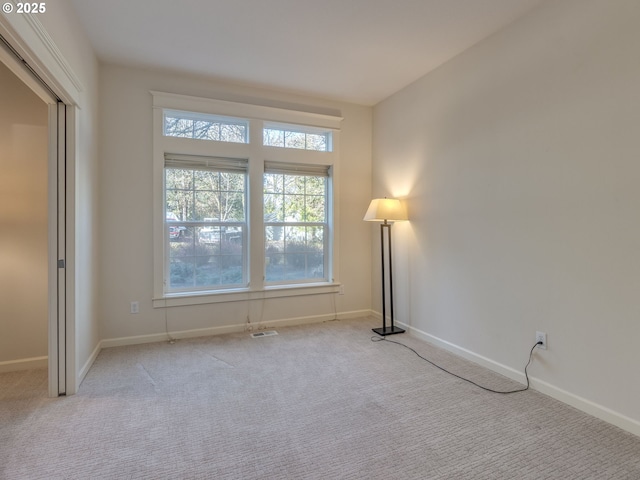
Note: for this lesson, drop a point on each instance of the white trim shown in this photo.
(236, 328)
(24, 364)
(54, 51)
(233, 109)
(587, 406)
(509, 372)
(583, 404)
(241, 295)
(29, 38)
(89, 363)
(161, 337)
(72, 273)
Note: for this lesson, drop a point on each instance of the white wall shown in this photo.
(23, 221)
(519, 163)
(69, 37)
(126, 261)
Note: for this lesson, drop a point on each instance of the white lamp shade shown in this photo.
(385, 209)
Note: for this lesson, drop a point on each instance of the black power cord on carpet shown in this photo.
(383, 339)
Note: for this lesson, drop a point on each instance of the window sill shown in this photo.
(245, 294)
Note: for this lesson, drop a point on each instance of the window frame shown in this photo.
(256, 154)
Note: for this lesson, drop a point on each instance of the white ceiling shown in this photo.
(359, 51)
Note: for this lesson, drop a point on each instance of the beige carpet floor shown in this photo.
(314, 402)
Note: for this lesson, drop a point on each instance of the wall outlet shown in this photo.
(135, 307)
(541, 337)
(341, 290)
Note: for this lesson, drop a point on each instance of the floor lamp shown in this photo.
(386, 210)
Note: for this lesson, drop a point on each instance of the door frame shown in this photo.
(30, 41)
(57, 251)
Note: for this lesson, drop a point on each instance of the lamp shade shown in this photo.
(385, 209)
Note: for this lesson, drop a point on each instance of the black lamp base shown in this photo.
(388, 330)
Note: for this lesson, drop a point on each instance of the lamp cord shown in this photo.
(381, 339)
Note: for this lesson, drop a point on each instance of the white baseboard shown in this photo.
(587, 406)
(24, 364)
(509, 372)
(355, 314)
(162, 337)
(236, 328)
(87, 365)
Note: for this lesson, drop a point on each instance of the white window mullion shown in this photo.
(255, 195)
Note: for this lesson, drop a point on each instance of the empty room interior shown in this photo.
(329, 239)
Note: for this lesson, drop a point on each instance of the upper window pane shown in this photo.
(205, 127)
(284, 136)
(202, 195)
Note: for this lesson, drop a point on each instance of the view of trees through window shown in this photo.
(203, 127)
(205, 213)
(295, 215)
(275, 137)
(214, 163)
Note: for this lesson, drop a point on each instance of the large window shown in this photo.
(243, 201)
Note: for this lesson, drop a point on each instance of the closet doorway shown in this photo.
(32, 223)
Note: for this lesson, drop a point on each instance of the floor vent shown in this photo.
(268, 333)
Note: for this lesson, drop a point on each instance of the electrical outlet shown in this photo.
(135, 307)
(541, 337)
(341, 290)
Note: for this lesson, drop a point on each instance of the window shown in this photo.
(296, 223)
(205, 235)
(205, 127)
(304, 138)
(243, 201)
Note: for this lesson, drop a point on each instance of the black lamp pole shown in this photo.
(391, 329)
